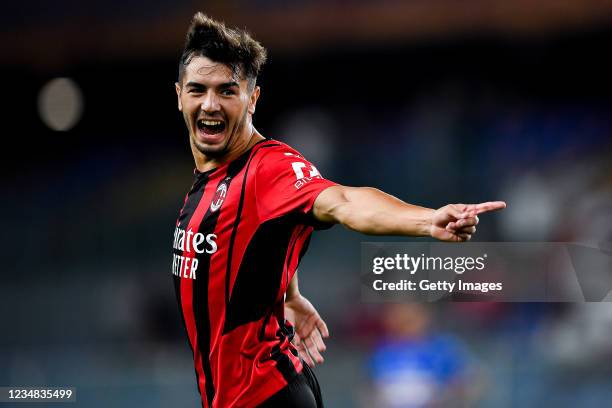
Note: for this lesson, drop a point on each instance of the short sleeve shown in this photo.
(287, 183)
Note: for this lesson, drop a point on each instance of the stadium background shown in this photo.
(434, 102)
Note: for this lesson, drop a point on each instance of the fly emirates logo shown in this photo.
(188, 241)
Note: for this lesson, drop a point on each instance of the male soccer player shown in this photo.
(246, 222)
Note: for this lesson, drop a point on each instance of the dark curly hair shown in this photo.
(230, 46)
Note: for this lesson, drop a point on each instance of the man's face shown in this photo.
(217, 107)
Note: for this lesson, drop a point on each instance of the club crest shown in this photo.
(219, 196)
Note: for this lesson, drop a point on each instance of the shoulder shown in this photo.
(273, 156)
(273, 149)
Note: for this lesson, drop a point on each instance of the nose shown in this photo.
(210, 103)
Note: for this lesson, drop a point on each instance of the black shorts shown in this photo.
(302, 392)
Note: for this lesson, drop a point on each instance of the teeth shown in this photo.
(211, 122)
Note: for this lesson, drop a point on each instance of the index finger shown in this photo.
(322, 328)
(488, 206)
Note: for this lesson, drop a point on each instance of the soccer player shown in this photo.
(246, 222)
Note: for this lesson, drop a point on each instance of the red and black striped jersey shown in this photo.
(238, 240)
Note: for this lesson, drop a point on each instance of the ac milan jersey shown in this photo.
(238, 240)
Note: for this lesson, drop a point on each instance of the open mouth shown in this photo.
(210, 127)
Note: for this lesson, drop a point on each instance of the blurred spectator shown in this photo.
(416, 366)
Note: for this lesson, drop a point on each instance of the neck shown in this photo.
(249, 139)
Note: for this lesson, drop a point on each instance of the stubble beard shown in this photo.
(217, 152)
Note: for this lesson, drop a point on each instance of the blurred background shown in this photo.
(432, 101)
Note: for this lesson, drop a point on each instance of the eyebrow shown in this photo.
(229, 84)
(193, 84)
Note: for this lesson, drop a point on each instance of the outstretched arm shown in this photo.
(374, 212)
(310, 329)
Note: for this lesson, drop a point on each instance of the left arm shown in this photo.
(371, 211)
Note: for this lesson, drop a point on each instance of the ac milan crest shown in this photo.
(219, 196)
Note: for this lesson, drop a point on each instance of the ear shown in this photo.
(178, 95)
(253, 100)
